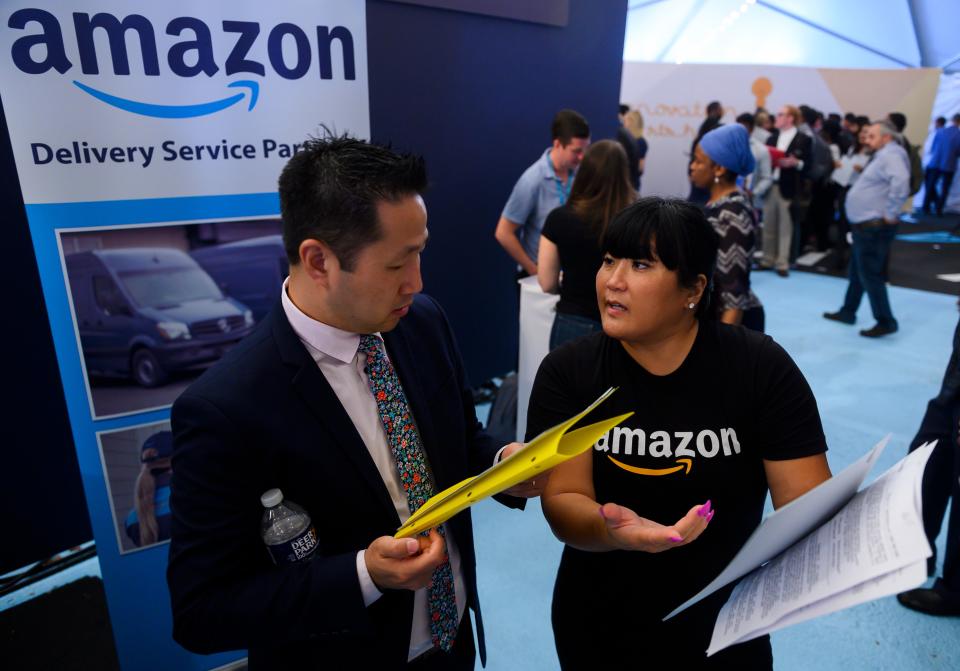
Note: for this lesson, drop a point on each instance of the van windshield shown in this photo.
(169, 287)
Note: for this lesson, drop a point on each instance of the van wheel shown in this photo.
(146, 369)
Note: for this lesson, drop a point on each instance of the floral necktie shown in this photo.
(408, 453)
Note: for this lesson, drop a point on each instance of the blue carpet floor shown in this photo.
(865, 389)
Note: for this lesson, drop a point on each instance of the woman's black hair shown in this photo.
(672, 231)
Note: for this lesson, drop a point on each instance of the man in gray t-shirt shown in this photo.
(542, 187)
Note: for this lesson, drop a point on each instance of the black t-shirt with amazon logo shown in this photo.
(699, 433)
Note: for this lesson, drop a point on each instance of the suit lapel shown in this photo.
(310, 384)
(401, 354)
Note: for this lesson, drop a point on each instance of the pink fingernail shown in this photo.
(704, 509)
(710, 516)
(676, 539)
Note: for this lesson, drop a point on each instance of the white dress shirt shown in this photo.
(335, 352)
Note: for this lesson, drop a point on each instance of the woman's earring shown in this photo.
(692, 305)
(716, 180)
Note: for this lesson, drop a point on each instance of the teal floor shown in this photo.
(865, 389)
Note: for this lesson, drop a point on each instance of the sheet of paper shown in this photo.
(858, 553)
(886, 585)
(843, 174)
(791, 522)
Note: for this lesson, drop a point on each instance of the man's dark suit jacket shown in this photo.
(791, 180)
(266, 417)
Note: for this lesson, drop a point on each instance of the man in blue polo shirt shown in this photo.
(543, 187)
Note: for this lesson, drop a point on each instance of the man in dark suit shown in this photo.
(941, 482)
(790, 190)
(351, 397)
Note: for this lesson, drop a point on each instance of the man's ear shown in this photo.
(318, 260)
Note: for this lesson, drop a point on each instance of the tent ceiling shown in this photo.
(821, 33)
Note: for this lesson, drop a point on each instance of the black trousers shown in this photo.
(940, 479)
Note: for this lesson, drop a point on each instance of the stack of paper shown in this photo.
(873, 547)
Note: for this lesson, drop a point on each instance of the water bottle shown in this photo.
(286, 529)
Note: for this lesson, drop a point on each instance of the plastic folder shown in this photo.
(552, 447)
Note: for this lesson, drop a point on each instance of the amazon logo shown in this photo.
(679, 449)
(190, 48)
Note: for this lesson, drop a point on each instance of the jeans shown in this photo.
(941, 479)
(868, 263)
(930, 195)
(569, 327)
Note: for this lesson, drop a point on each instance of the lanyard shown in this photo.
(563, 191)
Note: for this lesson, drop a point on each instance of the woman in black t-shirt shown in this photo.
(721, 415)
(570, 240)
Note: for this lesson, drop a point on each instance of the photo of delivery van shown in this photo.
(144, 313)
(251, 271)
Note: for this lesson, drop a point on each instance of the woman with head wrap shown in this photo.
(721, 156)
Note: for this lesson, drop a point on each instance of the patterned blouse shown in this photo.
(734, 220)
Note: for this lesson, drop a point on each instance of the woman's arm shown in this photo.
(732, 316)
(570, 506)
(548, 266)
(791, 478)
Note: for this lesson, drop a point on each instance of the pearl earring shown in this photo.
(692, 305)
(716, 180)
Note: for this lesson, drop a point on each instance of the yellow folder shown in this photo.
(550, 448)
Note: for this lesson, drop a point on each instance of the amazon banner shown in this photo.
(673, 99)
(148, 138)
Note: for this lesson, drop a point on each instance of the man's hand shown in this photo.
(528, 489)
(404, 563)
(789, 162)
(629, 531)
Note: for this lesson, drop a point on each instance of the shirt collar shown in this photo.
(546, 167)
(328, 340)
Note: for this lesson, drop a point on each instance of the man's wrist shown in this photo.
(368, 588)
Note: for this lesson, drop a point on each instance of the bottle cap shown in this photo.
(271, 498)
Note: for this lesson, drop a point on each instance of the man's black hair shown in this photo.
(956, 118)
(809, 115)
(669, 230)
(713, 108)
(624, 108)
(568, 124)
(747, 120)
(329, 191)
(850, 117)
(940, 121)
(898, 120)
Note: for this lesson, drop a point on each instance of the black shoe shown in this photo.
(783, 273)
(839, 316)
(930, 601)
(878, 331)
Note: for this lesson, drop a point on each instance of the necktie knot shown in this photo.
(369, 345)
